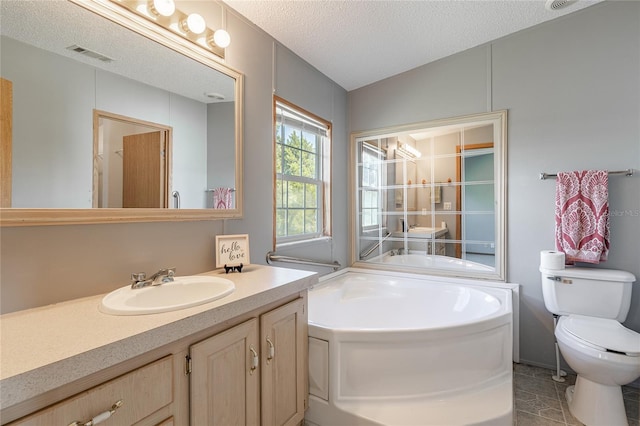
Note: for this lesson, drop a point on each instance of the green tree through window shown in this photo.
(301, 142)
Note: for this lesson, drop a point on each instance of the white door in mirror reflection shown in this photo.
(131, 162)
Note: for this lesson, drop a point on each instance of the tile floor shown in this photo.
(540, 401)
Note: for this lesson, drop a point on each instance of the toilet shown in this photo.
(591, 304)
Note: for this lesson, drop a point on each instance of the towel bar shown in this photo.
(287, 259)
(628, 172)
(211, 190)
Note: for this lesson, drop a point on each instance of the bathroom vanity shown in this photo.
(418, 239)
(241, 359)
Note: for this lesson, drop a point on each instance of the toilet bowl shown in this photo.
(605, 355)
(591, 304)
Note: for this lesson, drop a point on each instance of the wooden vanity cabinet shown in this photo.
(144, 394)
(253, 373)
(248, 370)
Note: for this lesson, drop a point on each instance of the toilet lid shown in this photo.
(605, 333)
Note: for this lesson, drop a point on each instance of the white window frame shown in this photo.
(361, 242)
(296, 117)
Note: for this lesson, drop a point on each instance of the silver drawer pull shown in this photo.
(100, 417)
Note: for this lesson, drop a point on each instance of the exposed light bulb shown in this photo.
(162, 7)
(221, 38)
(194, 23)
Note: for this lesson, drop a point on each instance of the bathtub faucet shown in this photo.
(140, 280)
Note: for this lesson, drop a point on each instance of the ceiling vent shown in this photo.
(215, 96)
(90, 53)
(558, 4)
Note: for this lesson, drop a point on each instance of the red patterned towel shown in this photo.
(582, 216)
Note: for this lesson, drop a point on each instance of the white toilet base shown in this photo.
(596, 404)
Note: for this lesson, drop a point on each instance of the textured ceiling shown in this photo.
(358, 42)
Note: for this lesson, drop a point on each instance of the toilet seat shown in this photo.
(602, 334)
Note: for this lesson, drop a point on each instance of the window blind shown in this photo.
(292, 119)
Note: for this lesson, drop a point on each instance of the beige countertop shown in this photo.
(47, 347)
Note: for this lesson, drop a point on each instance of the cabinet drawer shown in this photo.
(142, 392)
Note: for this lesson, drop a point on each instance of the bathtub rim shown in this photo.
(473, 282)
(505, 309)
(498, 275)
(482, 272)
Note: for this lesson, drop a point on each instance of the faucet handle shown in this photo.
(164, 275)
(138, 276)
(171, 272)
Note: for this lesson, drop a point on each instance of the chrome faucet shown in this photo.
(140, 280)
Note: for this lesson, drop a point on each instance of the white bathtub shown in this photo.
(433, 261)
(405, 349)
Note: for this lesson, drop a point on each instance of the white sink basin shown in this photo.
(183, 292)
(422, 229)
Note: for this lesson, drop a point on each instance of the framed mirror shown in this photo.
(430, 197)
(77, 71)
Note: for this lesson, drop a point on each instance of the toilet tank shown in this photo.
(603, 293)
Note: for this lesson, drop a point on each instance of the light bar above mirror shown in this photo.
(192, 26)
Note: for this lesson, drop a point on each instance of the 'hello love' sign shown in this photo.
(232, 250)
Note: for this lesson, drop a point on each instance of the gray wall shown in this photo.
(572, 88)
(220, 148)
(41, 265)
(39, 92)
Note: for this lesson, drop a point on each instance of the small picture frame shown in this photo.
(232, 250)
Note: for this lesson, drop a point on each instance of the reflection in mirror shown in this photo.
(131, 162)
(431, 196)
(64, 62)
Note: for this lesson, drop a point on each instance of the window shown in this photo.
(302, 164)
(372, 177)
(431, 196)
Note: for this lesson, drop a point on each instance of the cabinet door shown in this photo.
(225, 382)
(283, 338)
